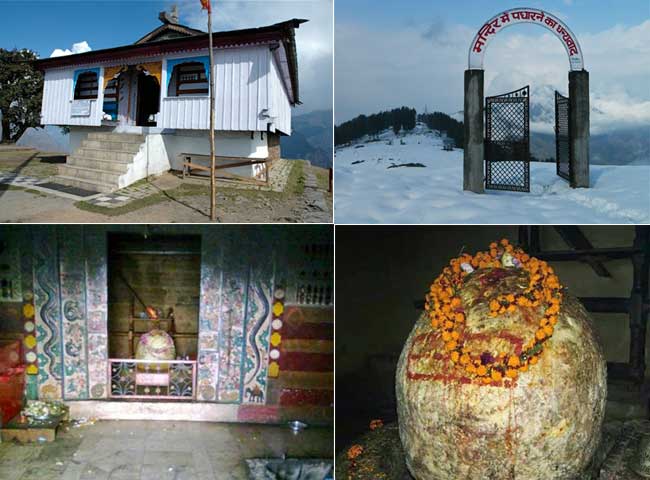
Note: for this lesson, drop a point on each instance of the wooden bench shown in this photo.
(189, 165)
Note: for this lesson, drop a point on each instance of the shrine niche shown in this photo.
(497, 145)
(236, 318)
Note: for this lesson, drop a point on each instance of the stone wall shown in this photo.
(274, 146)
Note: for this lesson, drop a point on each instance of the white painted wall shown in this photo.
(280, 108)
(248, 83)
(58, 97)
(242, 88)
(227, 144)
(151, 159)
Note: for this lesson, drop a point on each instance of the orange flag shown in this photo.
(205, 5)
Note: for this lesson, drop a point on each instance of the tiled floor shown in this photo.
(150, 450)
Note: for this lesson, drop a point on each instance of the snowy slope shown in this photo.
(367, 191)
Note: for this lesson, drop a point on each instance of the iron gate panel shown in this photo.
(507, 141)
(562, 138)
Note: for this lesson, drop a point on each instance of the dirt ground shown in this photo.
(177, 201)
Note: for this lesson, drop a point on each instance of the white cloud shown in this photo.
(378, 69)
(314, 38)
(80, 47)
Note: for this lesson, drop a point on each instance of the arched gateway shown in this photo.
(497, 152)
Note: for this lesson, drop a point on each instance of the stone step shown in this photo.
(116, 137)
(83, 173)
(92, 185)
(113, 145)
(94, 163)
(116, 155)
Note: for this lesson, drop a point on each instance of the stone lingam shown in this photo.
(502, 376)
(155, 345)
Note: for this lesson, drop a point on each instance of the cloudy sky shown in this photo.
(388, 55)
(71, 26)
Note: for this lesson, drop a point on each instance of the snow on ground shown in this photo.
(367, 191)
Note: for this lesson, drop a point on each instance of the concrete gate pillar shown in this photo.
(473, 148)
(579, 126)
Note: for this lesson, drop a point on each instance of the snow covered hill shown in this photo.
(413, 180)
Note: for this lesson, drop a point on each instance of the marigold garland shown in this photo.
(354, 451)
(447, 315)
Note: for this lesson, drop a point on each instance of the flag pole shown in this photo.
(213, 186)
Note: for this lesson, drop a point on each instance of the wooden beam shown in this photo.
(598, 253)
(574, 238)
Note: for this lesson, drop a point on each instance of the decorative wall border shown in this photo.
(232, 316)
(47, 312)
(30, 351)
(72, 274)
(209, 316)
(258, 323)
(96, 266)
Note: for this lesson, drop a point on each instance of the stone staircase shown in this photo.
(100, 161)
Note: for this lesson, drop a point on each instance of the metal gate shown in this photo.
(507, 141)
(562, 137)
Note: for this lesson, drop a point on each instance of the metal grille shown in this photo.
(507, 141)
(161, 379)
(562, 139)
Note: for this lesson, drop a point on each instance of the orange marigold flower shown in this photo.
(548, 330)
(510, 297)
(552, 319)
(446, 336)
(494, 305)
(434, 323)
(533, 360)
(512, 307)
(513, 361)
(487, 380)
(449, 324)
(455, 302)
(354, 451)
(451, 345)
(459, 317)
(455, 335)
(464, 359)
(540, 335)
(496, 375)
(377, 423)
(511, 373)
(454, 356)
(481, 370)
(470, 368)
(522, 301)
(523, 368)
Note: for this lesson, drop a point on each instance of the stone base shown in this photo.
(383, 456)
(30, 432)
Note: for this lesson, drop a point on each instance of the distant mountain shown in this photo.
(312, 138)
(629, 146)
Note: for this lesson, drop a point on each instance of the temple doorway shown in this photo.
(148, 100)
(153, 316)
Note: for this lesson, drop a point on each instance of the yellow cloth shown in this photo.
(112, 72)
(152, 68)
